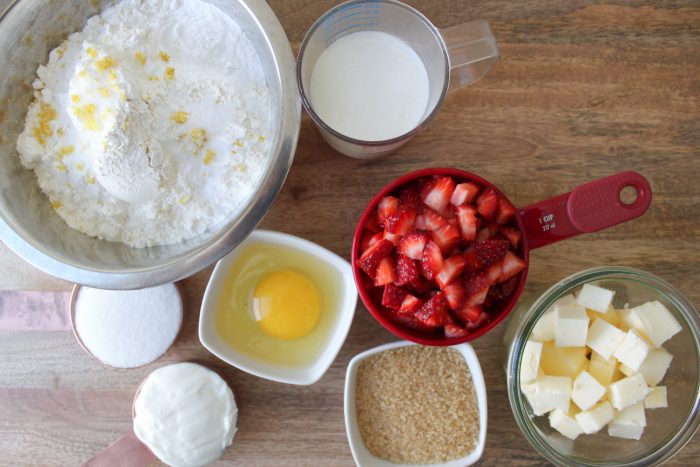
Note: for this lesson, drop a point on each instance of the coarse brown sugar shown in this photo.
(417, 405)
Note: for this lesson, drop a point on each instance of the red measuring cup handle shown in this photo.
(591, 207)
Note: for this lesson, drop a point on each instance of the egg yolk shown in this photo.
(286, 304)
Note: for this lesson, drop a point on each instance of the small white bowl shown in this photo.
(362, 456)
(303, 375)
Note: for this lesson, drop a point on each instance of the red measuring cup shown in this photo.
(591, 207)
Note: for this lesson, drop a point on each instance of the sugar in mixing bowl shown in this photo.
(29, 30)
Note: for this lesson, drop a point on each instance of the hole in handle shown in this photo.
(628, 195)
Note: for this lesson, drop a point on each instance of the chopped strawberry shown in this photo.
(369, 240)
(468, 223)
(409, 198)
(372, 224)
(400, 223)
(432, 261)
(455, 293)
(386, 271)
(433, 312)
(406, 271)
(501, 292)
(370, 259)
(412, 245)
(438, 197)
(471, 261)
(420, 285)
(446, 237)
(494, 272)
(404, 319)
(487, 232)
(410, 305)
(449, 213)
(510, 266)
(477, 287)
(432, 220)
(487, 204)
(513, 235)
(468, 314)
(388, 206)
(393, 296)
(421, 222)
(506, 211)
(465, 193)
(483, 317)
(453, 331)
(491, 251)
(453, 267)
(425, 185)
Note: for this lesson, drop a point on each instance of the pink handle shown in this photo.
(34, 311)
(590, 207)
(127, 451)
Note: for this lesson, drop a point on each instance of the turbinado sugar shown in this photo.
(128, 328)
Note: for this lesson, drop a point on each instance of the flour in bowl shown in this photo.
(151, 126)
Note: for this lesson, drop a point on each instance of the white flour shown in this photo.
(151, 125)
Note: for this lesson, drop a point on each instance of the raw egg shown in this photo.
(286, 304)
(278, 304)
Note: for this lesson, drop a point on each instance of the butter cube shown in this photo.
(587, 391)
(594, 297)
(632, 351)
(628, 391)
(548, 393)
(653, 321)
(630, 320)
(530, 363)
(571, 327)
(628, 423)
(545, 326)
(610, 316)
(564, 424)
(604, 338)
(657, 398)
(592, 421)
(655, 366)
(602, 371)
(563, 361)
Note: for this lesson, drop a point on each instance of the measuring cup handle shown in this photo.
(590, 207)
(127, 451)
(472, 50)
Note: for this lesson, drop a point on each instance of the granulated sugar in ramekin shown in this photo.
(128, 328)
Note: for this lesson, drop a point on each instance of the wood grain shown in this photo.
(584, 89)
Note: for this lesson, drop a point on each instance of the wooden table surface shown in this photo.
(583, 89)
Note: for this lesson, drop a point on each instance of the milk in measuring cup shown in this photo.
(370, 86)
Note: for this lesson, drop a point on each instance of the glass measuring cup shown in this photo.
(454, 58)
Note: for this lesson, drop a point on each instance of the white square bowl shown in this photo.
(304, 375)
(362, 456)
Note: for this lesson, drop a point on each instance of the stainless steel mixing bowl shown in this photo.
(29, 30)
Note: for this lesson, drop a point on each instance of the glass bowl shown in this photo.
(667, 429)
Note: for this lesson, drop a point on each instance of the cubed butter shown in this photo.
(545, 326)
(653, 321)
(593, 420)
(563, 361)
(548, 393)
(628, 391)
(657, 398)
(602, 371)
(628, 423)
(571, 326)
(632, 351)
(604, 338)
(587, 391)
(655, 366)
(594, 297)
(564, 424)
(530, 363)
